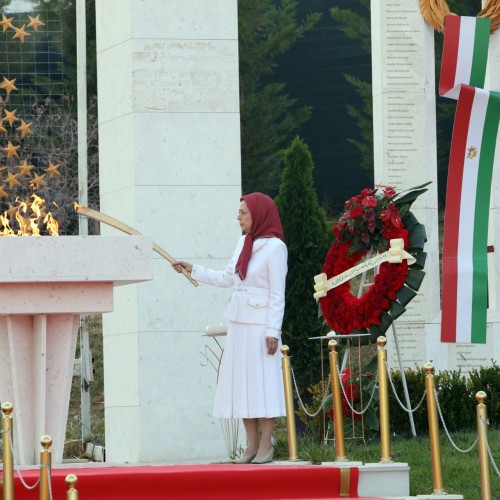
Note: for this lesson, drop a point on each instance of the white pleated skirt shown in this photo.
(250, 382)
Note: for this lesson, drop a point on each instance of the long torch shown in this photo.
(110, 221)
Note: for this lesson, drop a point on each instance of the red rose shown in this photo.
(356, 212)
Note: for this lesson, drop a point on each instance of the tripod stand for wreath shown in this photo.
(354, 341)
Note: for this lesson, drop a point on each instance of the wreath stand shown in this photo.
(363, 285)
(345, 362)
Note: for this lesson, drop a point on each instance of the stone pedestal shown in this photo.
(384, 480)
(170, 167)
(46, 283)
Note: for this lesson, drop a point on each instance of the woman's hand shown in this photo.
(178, 265)
(272, 345)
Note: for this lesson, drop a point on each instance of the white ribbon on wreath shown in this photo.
(395, 255)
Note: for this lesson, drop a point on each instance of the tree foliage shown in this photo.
(363, 114)
(306, 236)
(45, 162)
(356, 26)
(269, 116)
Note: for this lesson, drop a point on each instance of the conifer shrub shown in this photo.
(307, 239)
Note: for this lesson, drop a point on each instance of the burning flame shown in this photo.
(29, 222)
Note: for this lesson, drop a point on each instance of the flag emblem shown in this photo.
(471, 152)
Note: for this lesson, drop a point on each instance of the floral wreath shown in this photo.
(369, 221)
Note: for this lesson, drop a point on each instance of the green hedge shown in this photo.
(456, 396)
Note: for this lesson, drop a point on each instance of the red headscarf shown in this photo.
(265, 224)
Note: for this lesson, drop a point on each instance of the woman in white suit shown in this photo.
(250, 384)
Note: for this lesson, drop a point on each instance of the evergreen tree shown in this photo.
(357, 27)
(269, 117)
(306, 236)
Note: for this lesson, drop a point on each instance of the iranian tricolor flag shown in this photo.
(465, 53)
(465, 281)
(465, 272)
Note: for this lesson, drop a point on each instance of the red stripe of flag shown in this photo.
(450, 54)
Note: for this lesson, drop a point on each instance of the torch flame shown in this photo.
(4, 221)
(51, 224)
(29, 223)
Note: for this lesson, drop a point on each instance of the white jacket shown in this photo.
(260, 298)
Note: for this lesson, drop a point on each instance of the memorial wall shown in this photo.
(405, 149)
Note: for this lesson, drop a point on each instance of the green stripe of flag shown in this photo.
(480, 52)
(481, 212)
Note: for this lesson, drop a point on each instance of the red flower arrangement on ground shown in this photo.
(369, 221)
(352, 393)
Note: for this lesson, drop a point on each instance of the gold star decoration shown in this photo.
(25, 169)
(6, 22)
(3, 193)
(37, 182)
(10, 116)
(20, 33)
(12, 210)
(35, 22)
(52, 170)
(2, 128)
(24, 128)
(8, 85)
(11, 150)
(11, 180)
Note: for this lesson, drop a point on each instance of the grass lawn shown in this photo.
(460, 471)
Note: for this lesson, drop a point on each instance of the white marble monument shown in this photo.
(404, 128)
(170, 167)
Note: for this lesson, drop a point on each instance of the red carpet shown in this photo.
(210, 482)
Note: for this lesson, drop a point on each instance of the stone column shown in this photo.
(404, 125)
(170, 167)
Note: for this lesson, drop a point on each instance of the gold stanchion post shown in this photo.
(290, 412)
(385, 444)
(484, 464)
(338, 417)
(8, 460)
(72, 493)
(432, 416)
(45, 463)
